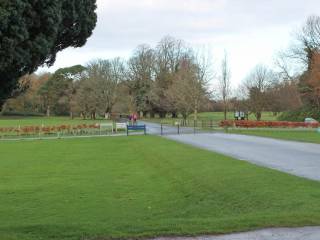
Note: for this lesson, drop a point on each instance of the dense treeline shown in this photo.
(171, 78)
(293, 87)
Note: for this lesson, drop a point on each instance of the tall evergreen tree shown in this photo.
(33, 32)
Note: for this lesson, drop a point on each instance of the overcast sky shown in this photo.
(251, 31)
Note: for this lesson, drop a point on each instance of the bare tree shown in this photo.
(85, 100)
(256, 84)
(140, 79)
(283, 96)
(305, 53)
(225, 84)
(204, 74)
(189, 88)
(299, 56)
(168, 55)
(99, 90)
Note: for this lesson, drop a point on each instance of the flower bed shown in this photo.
(48, 130)
(268, 124)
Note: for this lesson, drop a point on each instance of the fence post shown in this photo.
(161, 129)
(145, 130)
(127, 131)
(178, 129)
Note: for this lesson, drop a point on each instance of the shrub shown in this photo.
(268, 124)
(22, 114)
(300, 115)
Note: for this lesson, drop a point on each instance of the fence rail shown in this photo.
(60, 131)
(175, 126)
(164, 127)
(185, 127)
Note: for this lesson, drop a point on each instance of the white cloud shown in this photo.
(252, 31)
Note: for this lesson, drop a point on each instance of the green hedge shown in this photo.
(300, 115)
(22, 114)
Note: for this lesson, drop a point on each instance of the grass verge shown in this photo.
(47, 121)
(311, 136)
(141, 187)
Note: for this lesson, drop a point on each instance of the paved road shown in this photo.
(308, 233)
(155, 129)
(301, 159)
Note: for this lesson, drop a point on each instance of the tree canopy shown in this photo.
(33, 32)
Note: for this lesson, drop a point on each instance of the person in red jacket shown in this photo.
(135, 118)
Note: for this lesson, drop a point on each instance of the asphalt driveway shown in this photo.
(297, 158)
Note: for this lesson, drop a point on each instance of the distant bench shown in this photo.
(136, 128)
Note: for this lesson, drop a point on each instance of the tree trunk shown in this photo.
(225, 111)
(195, 114)
(258, 116)
(48, 111)
(196, 108)
(184, 121)
(93, 115)
(2, 107)
(162, 114)
(174, 115)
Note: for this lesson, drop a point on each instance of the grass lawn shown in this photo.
(38, 121)
(294, 135)
(141, 186)
(217, 117)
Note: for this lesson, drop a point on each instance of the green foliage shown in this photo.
(59, 89)
(300, 115)
(22, 114)
(32, 32)
(141, 186)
